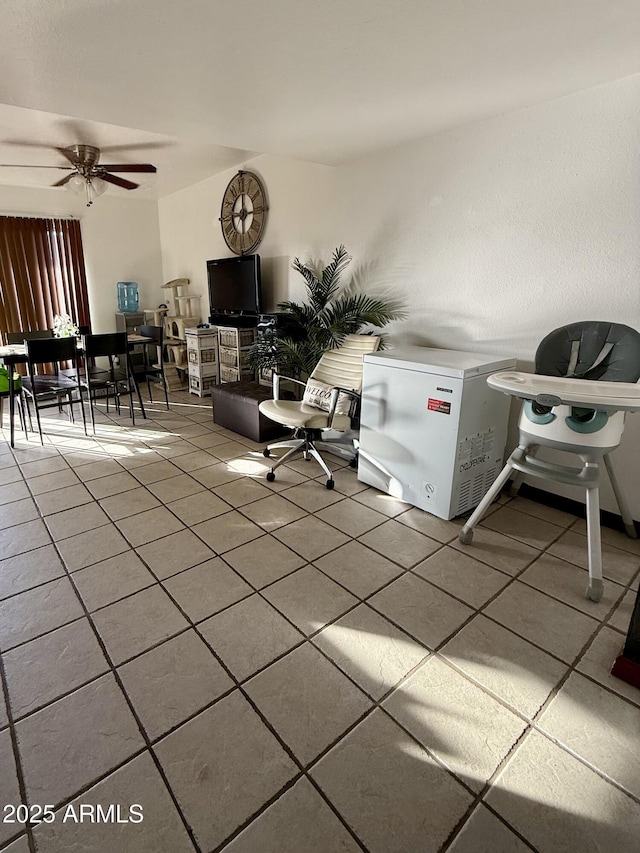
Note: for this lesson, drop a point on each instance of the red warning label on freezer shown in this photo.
(439, 406)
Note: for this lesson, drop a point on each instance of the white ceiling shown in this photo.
(199, 86)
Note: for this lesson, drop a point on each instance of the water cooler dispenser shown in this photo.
(128, 296)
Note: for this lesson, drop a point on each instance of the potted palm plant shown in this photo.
(332, 312)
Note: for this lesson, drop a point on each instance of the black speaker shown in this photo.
(279, 323)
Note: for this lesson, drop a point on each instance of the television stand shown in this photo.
(235, 321)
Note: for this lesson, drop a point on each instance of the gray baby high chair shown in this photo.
(576, 401)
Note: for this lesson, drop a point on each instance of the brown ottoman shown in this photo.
(235, 406)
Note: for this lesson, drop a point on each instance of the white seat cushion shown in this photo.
(294, 414)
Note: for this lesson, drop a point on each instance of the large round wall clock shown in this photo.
(244, 212)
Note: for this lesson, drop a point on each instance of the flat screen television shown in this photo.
(234, 285)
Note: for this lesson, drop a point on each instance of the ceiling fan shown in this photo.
(88, 174)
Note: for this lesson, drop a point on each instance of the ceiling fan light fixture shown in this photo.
(91, 186)
(76, 184)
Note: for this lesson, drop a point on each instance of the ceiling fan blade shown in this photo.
(130, 167)
(64, 180)
(30, 166)
(119, 182)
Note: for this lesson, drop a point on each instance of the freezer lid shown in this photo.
(442, 362)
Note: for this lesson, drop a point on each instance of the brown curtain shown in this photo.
(42, 273)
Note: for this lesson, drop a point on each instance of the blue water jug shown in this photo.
(127, 295)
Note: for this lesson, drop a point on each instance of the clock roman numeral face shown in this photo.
(244, 213)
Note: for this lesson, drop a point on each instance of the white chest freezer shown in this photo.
(432, 432)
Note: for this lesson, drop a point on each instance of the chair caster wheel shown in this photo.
(595, 590)
(266, 452)
(270, 477)
(330, 484)
(353, 463)
(465, 536)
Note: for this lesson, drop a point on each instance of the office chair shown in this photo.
(46, 390)
(330, 402)
(575, 402)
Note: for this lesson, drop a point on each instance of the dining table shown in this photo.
(14, 354)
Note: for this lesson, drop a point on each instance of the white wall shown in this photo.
(120, 237)
(491, 235)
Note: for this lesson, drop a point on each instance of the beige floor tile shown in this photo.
(174, 553)
(400, 543)
(309, 599)
(139, 457)
(207, 589)
(310, 537)
(420, 609)
(84, 549)
(25, 571)
(44, 669)
(51, 482)
(550, 624)
(599, 726)
(72, 742)
(617, 564)
(472, 581)
(137, 782)
(249, 635)
(60, 499)
(100, 468)
(76, 520)
(37, 611)
(147, 526)
(485, 833)
(13, 492)
(198, 507)
(215, 475)
(616, 538)
(350, 516)
(620, 619)
(540, 510)
(22, 538)
(372, 651)
(286, 477)
(242, 491)
(18, 512)
(4, 718)
(52, 463)
(213, 759)
(299, 820)
(112, 579)
(195, 460)
(183, 672)
(386, 504)
(115, 484)
(9, 472)
(497, 550)
(437, 528)
(263, 561)
(389, 790)
(522, 526)
(227, 531)
(225, 450)
(129, 503)
(600, 657)
(137, 623)
(510, 667)
(155, 472)
(307, 700)
(311, 496)
(358, 568)
(174, 488)
(20, 845)
(557, 803)
(346, 481)
(470, 732)
(568, 582)
(210, 441)
(9, 788)
(273, 512)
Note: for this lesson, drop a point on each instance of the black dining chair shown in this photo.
(56, 389)
(111, 378)
(152, 368)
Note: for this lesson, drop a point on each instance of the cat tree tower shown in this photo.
(186, 311)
